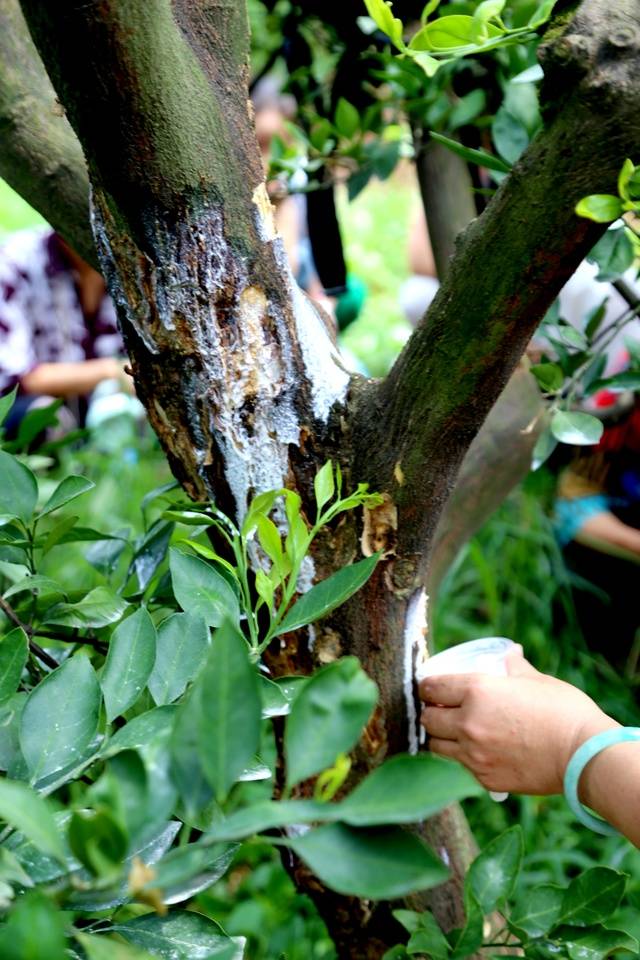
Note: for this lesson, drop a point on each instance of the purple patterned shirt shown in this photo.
(41, 318)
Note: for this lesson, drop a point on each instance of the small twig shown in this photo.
(35, 648)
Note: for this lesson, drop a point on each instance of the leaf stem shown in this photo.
(35, 648)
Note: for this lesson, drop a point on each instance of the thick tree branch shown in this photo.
(511, 263)
(40, 156)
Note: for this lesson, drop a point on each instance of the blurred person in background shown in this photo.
(58, 329)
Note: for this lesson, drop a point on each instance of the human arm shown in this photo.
(518, 733)
(604, 530)
(74, 379)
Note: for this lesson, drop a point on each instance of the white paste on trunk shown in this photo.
(415, 654)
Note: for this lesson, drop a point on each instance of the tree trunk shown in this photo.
(236, 368)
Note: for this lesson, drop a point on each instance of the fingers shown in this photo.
(447, 691)
(441, 722)
(445, 748)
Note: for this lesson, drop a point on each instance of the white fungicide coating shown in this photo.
(415, 654)
(328, 378)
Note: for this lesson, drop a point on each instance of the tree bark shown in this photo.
(41, 157)
(236, 368)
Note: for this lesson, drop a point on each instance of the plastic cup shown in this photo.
(486, 655)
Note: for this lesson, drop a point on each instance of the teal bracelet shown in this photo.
(589, 749)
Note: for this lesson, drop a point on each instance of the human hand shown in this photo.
(514, 733)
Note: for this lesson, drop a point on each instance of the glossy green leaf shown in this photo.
(98, 839)
(24, 810)
(453, 32)
(626, 173)
(493, 874)
(538, 911)
(468, 941)
(181, 649)
(549, 376)
(327, 595)
(327, 718)
(408, 789)
(66, 491)
(542, 13)
(479, 157)
(101, 947)
(14, 650)
(60, 718)
(613, 254)
(185, 871)
(130, 660)
(201, 590)
(262, 505)
(275, 703)
(271, 543)
(581, 429)
(150, 552)
(181, 934)
(56, 533)
(99, 608)
(6, 403)
(376, 864)
(596, 943)
(220, 719)
(592, 897)
(18, 488)
(601, 207)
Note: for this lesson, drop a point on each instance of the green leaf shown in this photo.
(380, 12)
(98, 840)
(35, 929)
(181, 933)
(14, 650)
(99, 608)
(57, 532)
(18, 490)
(428, 63)
(479, 157)
(182, 644)
(428, 938)
(24, 810)
(580, 429)
(601, 207)
(597, 943)
(150, 552)
(493, 874)
(275, 702)
(347, 119)
(467, 108)
(541, 14)
(538, 911)
(488, 9)
(130, 660)
(327, 718)
(549, 376)
(220, 720)
(613, 254)
(327, 595)
(101, 947)
(201, 591)
(592, 897)
(271, 543)
(377, 864)
(627, 380)
(324, 485)
(66, 491)
(262, 505)
(510, 135)
(6, 404)
(625, 175)
(452, 33)
(60, 718)
(469, 939)
(407, 789)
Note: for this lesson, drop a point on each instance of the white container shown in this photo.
(487, 655)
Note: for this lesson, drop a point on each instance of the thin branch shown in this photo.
(35, 648)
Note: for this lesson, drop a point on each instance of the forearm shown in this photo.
(610, 785)
(606, 528)
(70, 379)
